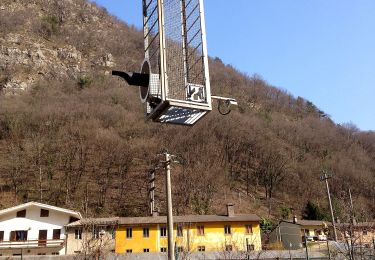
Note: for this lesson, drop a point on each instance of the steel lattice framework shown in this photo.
(176, 60)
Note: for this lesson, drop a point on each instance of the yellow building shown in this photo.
(314, 228)
(194, 233)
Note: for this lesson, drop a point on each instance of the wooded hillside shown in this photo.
(73, 136)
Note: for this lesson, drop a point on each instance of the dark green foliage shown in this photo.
(312, 211)
(285, 212)
(84, 82)
(266, 225)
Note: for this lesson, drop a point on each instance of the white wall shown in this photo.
(33, 223)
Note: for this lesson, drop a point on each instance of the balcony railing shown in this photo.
(32, 243)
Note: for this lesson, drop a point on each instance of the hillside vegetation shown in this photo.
(73, 136)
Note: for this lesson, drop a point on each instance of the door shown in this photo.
(42, 240)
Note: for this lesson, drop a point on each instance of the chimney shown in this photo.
(295, 220)
(155, 213)
(230, 210)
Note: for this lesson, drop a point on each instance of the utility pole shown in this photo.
(167, 163)
(307, 251)
(152, 192)
(329, 250)
(353, 220)
(351, 224)
(325, 178)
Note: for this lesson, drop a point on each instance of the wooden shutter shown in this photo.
(42, 239)
(12, 236)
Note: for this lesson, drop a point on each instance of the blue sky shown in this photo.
(322, 50)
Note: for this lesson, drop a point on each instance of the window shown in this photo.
(129, 232)
(56, 234)
(21, 235)
(180, 232)
(55, 253)
(95, 232)
(41, 253)
(21, 214)
(365, 232)
(163, 231)
(146, 250)
(146, 232)
(180, 249)
(42, 238)
(44, 213)
(128, 251)
(77, 252)
(163, 249)
(200, 230)
(248, 229)
(227, 230)
(78, 234)
(1, 235)
(250, 248)
(201, 248)
(228, 248)
(18, 235)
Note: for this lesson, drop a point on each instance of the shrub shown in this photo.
(84, 82)
(49, 26)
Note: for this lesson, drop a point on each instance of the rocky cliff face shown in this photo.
(31, 61)
(55, 40)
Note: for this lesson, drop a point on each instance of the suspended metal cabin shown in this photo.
(176, 61)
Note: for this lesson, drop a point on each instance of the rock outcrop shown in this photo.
(51, 40)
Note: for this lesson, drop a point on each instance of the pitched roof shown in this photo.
(189, 219)
(358, 225)
(365, 224)
(41, 205)
(163, 220)
(94, 221)
(308, 222)
(313, 222)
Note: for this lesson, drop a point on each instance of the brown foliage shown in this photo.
(86, 146)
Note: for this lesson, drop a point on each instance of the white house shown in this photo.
(34, 229)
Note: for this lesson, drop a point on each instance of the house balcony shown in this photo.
(32, 243)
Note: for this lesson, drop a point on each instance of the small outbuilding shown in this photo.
(288, 235)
